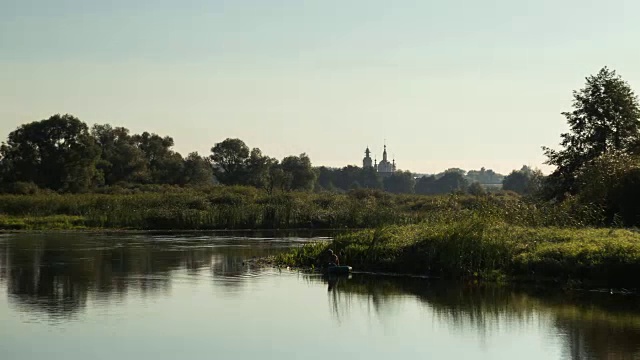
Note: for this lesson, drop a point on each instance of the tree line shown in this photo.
(597, 163)
(64, 154)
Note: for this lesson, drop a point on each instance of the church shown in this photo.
(384, 168)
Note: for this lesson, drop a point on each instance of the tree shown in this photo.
(516, 181)
(370, 178)
(525, 181)
(257, 169)
(326, 178)
(197, 170)
(606, 117)
(277, 179)
(484, 176)
(165, 165)
(452, 170)
(346, 176)
(57, 153)
(400, 182)
(625, 195)
(476, 189)
(121, 160)
(426, 185)
(229, 158)
(302, 174)
(451, 181)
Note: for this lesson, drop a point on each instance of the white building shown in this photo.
(384, 168)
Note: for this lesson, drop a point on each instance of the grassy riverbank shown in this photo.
(488, 249)
(213, 208)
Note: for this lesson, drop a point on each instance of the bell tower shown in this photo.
(366, 162)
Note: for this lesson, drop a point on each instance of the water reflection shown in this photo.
(54, 273)
(592, 325)
(60, 274)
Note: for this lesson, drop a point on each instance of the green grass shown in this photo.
(248, 208)
(487, 237)
(51, 222)
(481, 248)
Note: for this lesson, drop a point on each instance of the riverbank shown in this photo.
(486, 250)
(227, 207)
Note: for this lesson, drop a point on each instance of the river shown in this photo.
(167, 296)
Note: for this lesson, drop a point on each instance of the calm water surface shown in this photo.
(90, 296)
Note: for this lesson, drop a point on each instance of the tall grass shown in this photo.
(249, 208)
(479, 247)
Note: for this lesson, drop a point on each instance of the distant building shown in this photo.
(384, 168)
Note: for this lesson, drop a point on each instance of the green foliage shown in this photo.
(301, 174)
(484, 176)
(165, 166)
(240, 207)
(121, 160)
(21, 188)
(197, 170)
(425, 185)
(481, 247)
(400, 182)
(525, 181)
(476, 189)
(450, 182)
(261, 171)
(609, 182)
(53, 222)
(344, 179)
(626, 195)
(229, 158)
(57, 153)
(606, 117)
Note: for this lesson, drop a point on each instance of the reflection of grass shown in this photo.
(485, 249)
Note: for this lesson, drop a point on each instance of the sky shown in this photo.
(455, 83)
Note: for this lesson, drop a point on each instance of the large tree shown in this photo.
(165, 165)
(525, 181)
(301, 174)
(57, 153)
(400, 182)
(197, 170)
(229, 158)
(451, 181)
(258, 170)
(426, 185)
(121, 161)
(327, 178)
(606, 117)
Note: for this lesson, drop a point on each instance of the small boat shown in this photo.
(342, 269)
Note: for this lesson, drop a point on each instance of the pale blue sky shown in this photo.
(447, 83)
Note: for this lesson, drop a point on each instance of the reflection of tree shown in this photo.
(57, 273)
(343, 292)
(593, 325)
(46, 278)
(4, 259)
(612, 333)
(233, 268)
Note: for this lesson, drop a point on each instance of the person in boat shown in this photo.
(332, 258)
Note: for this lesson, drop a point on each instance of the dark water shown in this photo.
(88, 296)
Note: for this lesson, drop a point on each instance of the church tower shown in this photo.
(385, 168)
(366, 162)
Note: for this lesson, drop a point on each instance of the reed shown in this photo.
(480, 248)
(248, 208)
